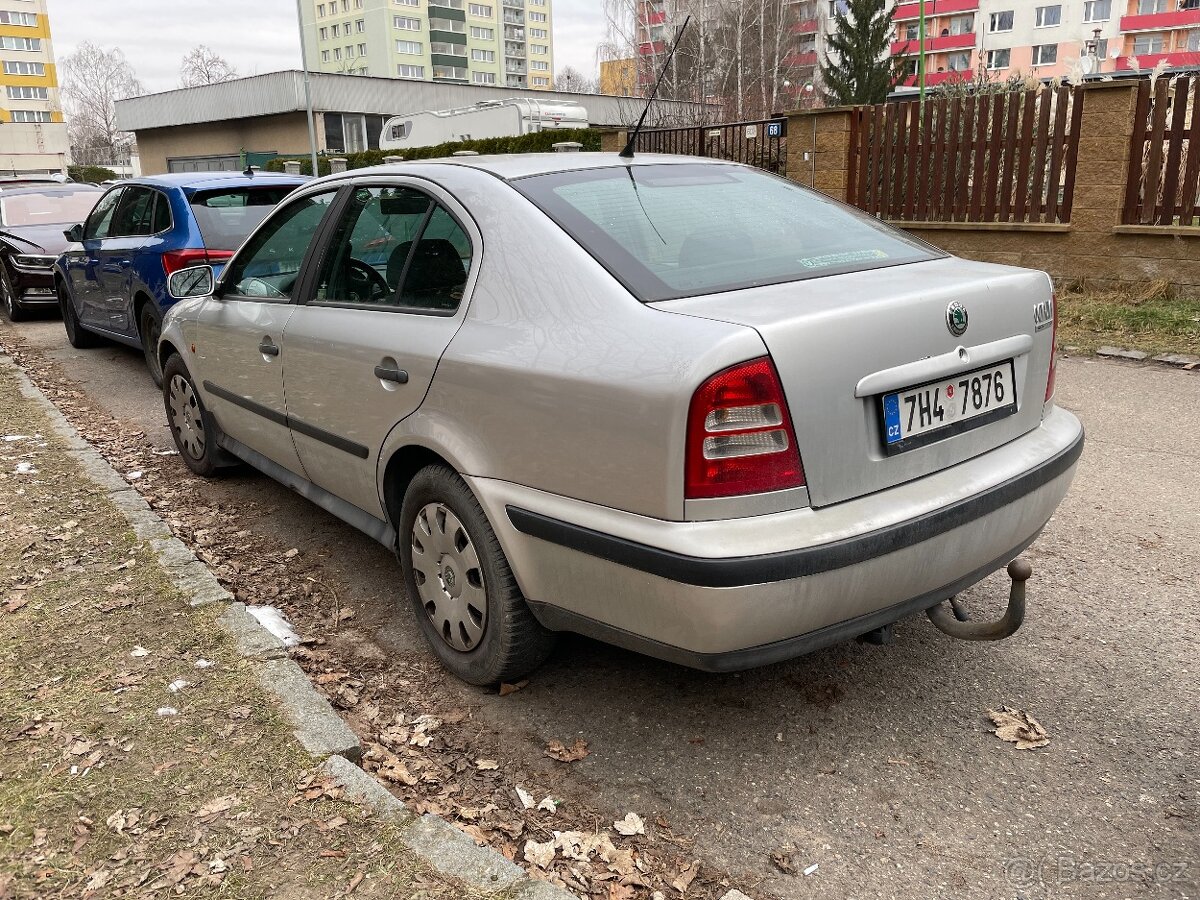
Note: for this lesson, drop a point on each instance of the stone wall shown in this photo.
(1094, 248)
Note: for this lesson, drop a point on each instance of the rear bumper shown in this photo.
(737, 593)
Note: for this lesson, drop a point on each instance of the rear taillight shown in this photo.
(1053, 350)
(174, 260)
(740, 438)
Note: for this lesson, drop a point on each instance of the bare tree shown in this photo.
(573, 81)
(203, 65)
(93, 80)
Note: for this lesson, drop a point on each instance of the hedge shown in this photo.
(538, 142)
(91, 174)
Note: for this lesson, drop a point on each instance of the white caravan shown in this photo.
(486, 119)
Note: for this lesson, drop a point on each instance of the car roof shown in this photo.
(50, 188)
(206, 180)
(521, 165)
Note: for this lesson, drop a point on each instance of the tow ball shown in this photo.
(955, 621)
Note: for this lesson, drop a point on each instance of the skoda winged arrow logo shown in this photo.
(956, 318)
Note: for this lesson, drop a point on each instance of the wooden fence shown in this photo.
(1163, 184)
(992, 158)
(762, 143)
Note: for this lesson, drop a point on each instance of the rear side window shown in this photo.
(225, 216)
(683, 230)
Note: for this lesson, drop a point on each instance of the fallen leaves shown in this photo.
(629, 826)
(506, 688)
(487, 765)
(574, 753)
(1018, 727)
(686, 876)
(215, 807)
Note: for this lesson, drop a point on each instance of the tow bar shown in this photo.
(955, 621)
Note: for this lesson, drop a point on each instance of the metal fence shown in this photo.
(1163, 184)
(993, 158)
(762, 143)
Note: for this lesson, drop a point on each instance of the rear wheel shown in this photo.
(150, 329)
(8, 295)
(80, 337)
(191, 425)
(463, 592)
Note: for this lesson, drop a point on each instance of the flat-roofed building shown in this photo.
(33, 135)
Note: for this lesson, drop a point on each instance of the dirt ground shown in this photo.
(876, 764)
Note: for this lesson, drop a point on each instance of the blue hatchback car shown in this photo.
(112, 279)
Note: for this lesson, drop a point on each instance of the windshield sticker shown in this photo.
(841, 259)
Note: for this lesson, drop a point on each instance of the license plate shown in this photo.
(929, 412)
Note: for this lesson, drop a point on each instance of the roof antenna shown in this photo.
(627, 153)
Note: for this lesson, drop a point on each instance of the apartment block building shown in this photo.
(1046, 38)
(503, 43)
(33, 135)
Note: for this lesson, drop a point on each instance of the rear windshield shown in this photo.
(227, 216)
(681, 230)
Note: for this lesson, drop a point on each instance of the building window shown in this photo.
(405, 23)
(20, 43)
(538, 17)
(962, 25)
(1001, 21)
(539, 65)
(449, 4)
(336, 31)
(349, 53)
(1047, 16)
(337, 53)
(539, 49)
(539, 33)
(483, 55)
(537, 2)
(1193, 42)
(447, 49)
(483, 77)
(360, 26)
(483, 34)
(1147, 43)
(320, 10)
(18, 18)
(28, 93)
(1045, 54)
(30, 115)
(358, 4)
(1101, 48)
(362, 49)
(998, 59)
(410, 71)
(1097, 10)
(959, 62)
(447, 25)
(480, 11)
(458, 73)
(407, 2)
(1151, 7)
(324, 56)
(413, 47)
(1189, 4)
(12, 67)
(324, 34)
(541, 81)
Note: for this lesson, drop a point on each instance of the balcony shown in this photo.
(652, 47)
(804, 26)
(935, 44)
(1179, 18)
(518, 4)
(934, 8)
(1188, 59)
(801, 59)
(511, 18)
(656, 18)
(933, 79)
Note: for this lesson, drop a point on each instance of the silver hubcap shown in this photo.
(186, 420)
(449, 577)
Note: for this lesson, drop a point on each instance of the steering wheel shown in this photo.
(364, 284)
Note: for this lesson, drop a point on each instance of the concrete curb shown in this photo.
(1174, 360)
(317, 727)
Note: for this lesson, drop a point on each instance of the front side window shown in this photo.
(669, 231)
(97, 225)
(269, 265)
(134, 215)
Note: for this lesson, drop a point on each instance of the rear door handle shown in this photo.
(268, 348)
(397, 375)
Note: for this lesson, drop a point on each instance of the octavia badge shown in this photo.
(956, 318)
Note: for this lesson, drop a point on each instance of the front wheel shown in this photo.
(191, 425)
(463, 592)
(12, 306)
(150, 328)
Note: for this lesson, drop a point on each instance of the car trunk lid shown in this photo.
(842, 342)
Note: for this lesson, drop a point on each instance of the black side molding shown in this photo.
(319, 434)
(738, 571)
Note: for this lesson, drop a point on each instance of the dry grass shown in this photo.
(99, 795)
(1151, 320)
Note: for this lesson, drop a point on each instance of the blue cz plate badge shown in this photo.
(929, 412)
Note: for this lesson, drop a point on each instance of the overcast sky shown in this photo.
(259, 36)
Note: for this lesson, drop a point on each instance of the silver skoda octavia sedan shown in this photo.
(676, 404)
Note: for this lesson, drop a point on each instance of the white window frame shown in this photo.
(1089, 10)
(1159, 36)
(410, 48)
(480, 10)
(414, 72)
(31, 117)
(19, 67)
(406, 23)
(478, 54)
(996, 16)
(991, 55)
(483, 77)
(1035, 57)
(1041, 13)
(27, 92)
(541, 81)
(483, 34)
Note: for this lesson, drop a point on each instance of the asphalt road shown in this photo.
(876, 763)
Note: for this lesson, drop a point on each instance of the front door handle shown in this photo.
(267, 348)
(397, 375)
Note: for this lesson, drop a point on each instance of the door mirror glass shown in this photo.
(74, 234)
(196, 281)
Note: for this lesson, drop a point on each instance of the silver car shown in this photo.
(676, 404)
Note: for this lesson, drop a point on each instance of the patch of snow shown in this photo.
(26, 468)
(168, 711)
(272, 619)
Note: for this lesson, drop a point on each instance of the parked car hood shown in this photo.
(47, 239)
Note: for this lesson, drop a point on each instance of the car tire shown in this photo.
(12, 306)
(449, 553)
(80, 337)
(191, 424)
(149, 330)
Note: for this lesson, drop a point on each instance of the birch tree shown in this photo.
(93, 80)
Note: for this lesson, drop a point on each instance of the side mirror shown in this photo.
(196, 281)
(74, 234)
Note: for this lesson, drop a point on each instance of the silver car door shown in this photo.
(361, 352)
(239, 332)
